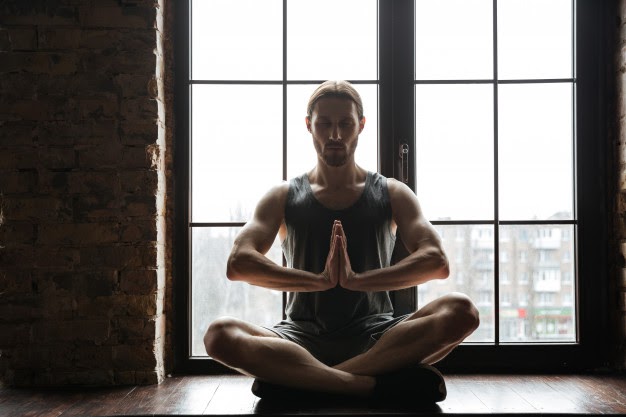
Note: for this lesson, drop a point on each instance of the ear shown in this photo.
(361, 124)
(308, 123)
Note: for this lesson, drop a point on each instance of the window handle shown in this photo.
(404, 163)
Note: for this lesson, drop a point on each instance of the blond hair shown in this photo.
(335, 88)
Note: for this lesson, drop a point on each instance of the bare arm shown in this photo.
(427, 259)
(247, 261)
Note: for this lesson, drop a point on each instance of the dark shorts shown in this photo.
(340, 345)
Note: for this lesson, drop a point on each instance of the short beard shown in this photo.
(335, 159)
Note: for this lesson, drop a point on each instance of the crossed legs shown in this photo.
(425, 337)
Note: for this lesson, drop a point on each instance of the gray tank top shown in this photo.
(367, 224)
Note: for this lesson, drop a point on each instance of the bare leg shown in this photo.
(258, 352)
(425, 337)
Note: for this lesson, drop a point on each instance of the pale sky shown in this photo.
(237, 130)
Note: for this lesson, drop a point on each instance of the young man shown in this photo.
(338, 224)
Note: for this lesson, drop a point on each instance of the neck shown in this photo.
(337, 177)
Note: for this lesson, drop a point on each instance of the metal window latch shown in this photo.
(404, 163)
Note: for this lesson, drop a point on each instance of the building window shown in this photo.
(567, 277)
(523, 277)
(545, 298)
(505, 299)
(523, 298)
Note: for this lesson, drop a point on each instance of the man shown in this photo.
(338, 224)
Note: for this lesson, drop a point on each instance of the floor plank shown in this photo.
(191, 396)
(497, 395)
(543, 397)
(40, 403)
(608, 396)
(145, 399)
(99, 401)
(461, 397)
(571, 388)
(231, 395)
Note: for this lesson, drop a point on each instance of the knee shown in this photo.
(462, 314)
(220, 339)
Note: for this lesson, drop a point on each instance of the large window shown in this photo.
(249, 87)
(473, 103)
(494, 107)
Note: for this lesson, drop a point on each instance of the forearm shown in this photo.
(256, 269)
(415, 269)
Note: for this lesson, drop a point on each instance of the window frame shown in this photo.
(594, 45)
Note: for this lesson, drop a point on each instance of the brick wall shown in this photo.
(620, 232)
(83, 132)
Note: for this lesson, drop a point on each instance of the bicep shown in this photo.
(414, 229)
(260, 232)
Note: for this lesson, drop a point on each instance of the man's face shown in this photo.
(335, 127)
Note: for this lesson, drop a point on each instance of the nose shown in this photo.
(334, 133)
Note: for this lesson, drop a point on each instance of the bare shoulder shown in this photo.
(272, 204)
(397, 188)
(260, 231)
(403, 200)
(414, 229)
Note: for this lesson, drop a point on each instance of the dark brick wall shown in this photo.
(619, 270)
(82, 192)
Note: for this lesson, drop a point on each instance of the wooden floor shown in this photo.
(230, 395)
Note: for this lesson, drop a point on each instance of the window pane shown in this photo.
(537, 303)
(301, 156)
(535, 149)
(237, 39)
(453, 39)
(332, 39)
(470, 250)
(213, 295)
(237, 149)
(454, 155)
(534, 39)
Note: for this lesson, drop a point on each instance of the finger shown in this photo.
(337, 243)
(343, 232)
(346, 258)
(344, 245)
(334, 244)
(336, 226)
(340, 229)
(332, 234)
(339, 254)
(331, 266)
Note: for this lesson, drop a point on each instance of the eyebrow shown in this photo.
(346, 117)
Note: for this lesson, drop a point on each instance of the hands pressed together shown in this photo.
(338, 270)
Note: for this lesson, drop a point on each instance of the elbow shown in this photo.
(444, 270)
(233, 267)
(443, 266)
